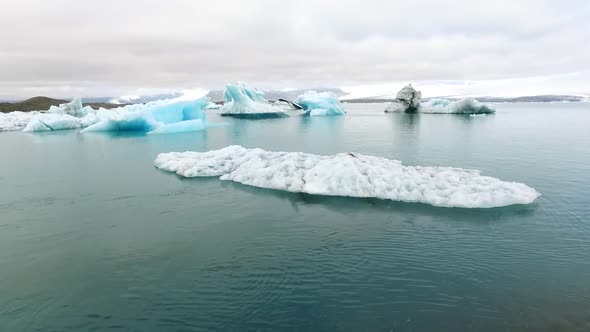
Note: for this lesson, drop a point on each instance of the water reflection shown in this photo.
(325, 124)
(405, 127)
(411, 121)
(347, 205)
(94, 218)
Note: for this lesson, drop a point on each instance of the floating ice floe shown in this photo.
(349, 174)
(463, 106)
(320, 104)
(154, 118)
(243, 101)
(16, 120)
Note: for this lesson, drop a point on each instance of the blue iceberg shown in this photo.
(320, 104)
(247, 102)
(154, 118)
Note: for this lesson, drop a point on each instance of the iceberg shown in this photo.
(243, 101)
(70, 115)
(320, 104)
(154, 118)
(463, 106)
(159, 117)
(407, 100)
(349, 174)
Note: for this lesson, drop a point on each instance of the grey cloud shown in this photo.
(104, 47)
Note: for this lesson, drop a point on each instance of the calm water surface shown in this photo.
(93, 237)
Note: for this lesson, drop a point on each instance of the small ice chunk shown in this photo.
(349, 174)
(212, 106)
(320, 104)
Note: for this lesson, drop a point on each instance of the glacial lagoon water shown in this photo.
(93, 237)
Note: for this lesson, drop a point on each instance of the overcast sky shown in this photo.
(113, 47)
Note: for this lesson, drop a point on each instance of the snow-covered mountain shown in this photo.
(135, 99)
(488, 99)
(290, 94)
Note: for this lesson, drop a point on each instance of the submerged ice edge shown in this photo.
(349, 174)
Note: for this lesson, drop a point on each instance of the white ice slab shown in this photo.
(349, 174)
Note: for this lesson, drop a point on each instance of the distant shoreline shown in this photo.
(44, 103)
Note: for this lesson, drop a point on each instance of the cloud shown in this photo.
(115, 47)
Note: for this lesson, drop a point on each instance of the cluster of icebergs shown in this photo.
(409, 100)
(244, 101)
(349, 174)
(165, 116)
(152, 118)
(169, 116)
(344, 174)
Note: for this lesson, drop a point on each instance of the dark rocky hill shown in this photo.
(44, 103)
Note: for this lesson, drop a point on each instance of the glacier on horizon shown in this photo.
(320, 104)
(241, 100)
(349, 174)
